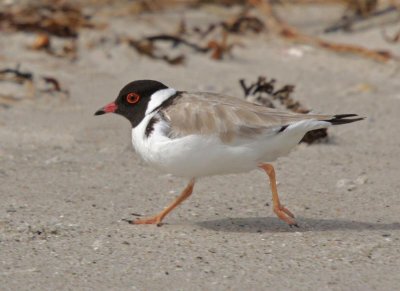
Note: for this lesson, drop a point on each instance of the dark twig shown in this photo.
(203, 33)
(283, 29)
(136, 214)
(54, 82)
(243, 23)
(20, 77)
(176, 40)
(246, 89)
(55, 86)
(17, 73)
(348, 21)
(146, 47)
(260, 86)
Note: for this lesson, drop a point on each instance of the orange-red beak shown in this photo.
(111, 107)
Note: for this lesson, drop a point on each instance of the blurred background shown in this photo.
(69, 179)
(114, 36)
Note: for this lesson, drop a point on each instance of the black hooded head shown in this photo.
(133, 99)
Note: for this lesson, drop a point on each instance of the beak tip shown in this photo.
(99, 112)
(111, 107)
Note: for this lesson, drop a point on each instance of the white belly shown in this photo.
(199, 156)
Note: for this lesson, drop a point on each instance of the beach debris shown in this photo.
(15, 75)
(48, 19)
(361, 180)
(240, 24)
(53, 85)
(351, 185)
(363, 17)
(57, 18)
(220, 48)
(276, 25)
(211, 39)
(391, 39)
(347, 184)
(176, 41)
(243, 23)
(263, 89)
(31, 85)
(263, 92)
(136, 214)
(68, 49)
(42, 42)
(295, 52)
(146, 47)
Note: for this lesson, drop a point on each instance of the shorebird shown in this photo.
(198, 134)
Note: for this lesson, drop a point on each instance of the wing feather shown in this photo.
(228, 117)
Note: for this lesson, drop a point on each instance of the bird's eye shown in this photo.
(132, 98)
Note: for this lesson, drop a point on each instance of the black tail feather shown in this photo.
(343, 119)
(345, 115)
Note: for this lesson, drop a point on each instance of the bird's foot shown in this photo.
(152, 220)
(284, 214)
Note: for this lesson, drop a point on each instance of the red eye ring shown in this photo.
(132, 98)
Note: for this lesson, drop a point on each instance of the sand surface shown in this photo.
(67, 178)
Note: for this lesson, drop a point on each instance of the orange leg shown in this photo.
(282, 212)
(157, 219)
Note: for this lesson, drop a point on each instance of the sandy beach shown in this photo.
(69, 179)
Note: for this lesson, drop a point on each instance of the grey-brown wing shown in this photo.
(228, 117)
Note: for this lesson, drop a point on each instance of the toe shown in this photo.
(152, 220)
(287, 211)
(283, 215)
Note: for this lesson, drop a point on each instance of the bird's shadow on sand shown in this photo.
(272, 224)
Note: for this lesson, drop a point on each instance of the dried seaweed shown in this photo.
(347, 22)
(206, 31)
(54, 82)
(15, 75)
(217, 45)
(43, 43)
(278, 26)
(55, 85)
(55, 18)
(263, 92)
(220, 48)
(176, 41)
(33, 85)
(147, 48)
(243, 23)
(238, 25)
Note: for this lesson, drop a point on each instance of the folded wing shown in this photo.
(227, 117)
